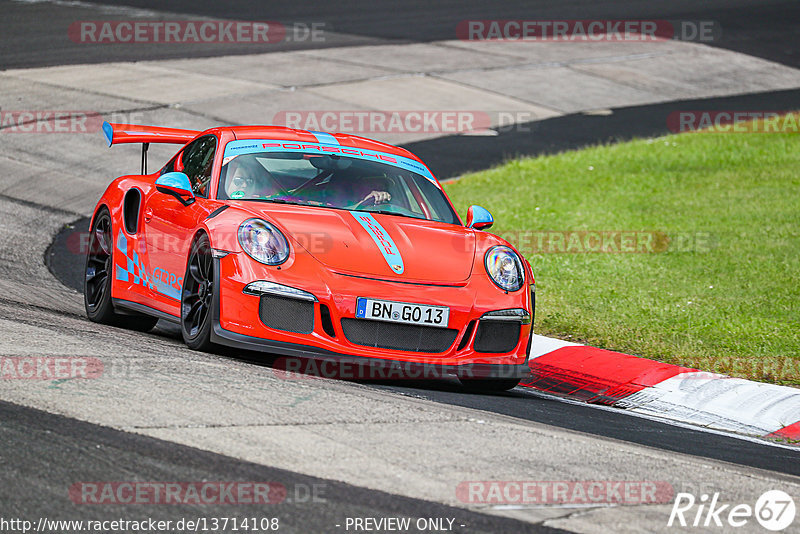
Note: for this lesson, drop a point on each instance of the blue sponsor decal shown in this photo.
(245, 147)
(382, 239)
(160, 280)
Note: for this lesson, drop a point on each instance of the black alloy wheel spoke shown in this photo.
(197, 275)
(197, 293)
(98, 264)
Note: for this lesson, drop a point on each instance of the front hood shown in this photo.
(375, 245)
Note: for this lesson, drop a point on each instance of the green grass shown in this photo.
(728, 301)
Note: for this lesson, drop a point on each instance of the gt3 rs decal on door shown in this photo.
(129, 265)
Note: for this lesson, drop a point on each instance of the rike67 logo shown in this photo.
(774, 510)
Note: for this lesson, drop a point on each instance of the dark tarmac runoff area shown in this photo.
(763, 29)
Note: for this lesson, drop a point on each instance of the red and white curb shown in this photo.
(664, 391)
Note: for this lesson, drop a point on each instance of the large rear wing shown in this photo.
(116, 134)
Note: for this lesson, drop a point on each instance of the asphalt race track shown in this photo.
(521, 403)
(165, 413)
(40, 443)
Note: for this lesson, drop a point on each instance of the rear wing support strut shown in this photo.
(145, 146)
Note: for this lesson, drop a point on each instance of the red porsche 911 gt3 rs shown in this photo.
(308, 244)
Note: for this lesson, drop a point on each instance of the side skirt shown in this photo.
(133, 308)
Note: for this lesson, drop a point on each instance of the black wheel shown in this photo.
(97, 280)
(197, 296)
(489, 385)
(99, 265)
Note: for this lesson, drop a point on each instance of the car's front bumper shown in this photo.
(238, 323)
(328, 364)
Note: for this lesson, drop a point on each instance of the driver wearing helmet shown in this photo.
(339, 189)
(247, 178)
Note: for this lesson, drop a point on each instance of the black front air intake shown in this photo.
(287, 314)
(384, 335)
(327, 322)
(497, 336)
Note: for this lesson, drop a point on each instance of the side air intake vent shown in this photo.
(130, 210)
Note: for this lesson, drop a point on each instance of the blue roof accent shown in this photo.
(324, 138)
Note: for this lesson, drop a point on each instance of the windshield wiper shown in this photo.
(279, 201)
(389, 212)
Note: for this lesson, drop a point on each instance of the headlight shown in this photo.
(505, 268)
(263, 242)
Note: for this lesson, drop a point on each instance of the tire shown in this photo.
(489, 385)
(98, 271)
(197, 297)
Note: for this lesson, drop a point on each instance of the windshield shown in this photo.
(332, 181)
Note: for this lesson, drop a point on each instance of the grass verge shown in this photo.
(715, 286)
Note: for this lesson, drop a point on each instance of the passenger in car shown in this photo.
(248, 179)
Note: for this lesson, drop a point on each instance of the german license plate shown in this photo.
(402, 312)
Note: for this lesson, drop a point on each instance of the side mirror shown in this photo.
(479, 218)
(176, 184)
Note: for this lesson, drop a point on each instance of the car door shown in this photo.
(170, 224)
